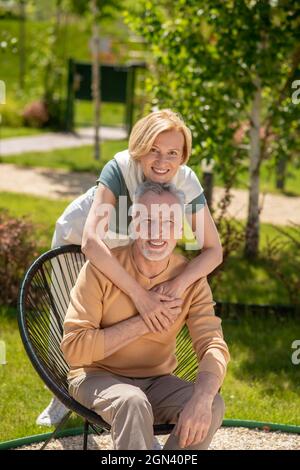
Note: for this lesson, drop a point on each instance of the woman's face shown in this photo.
(166, 155)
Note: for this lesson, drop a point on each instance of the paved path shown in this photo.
(46, 182)
(276, 209)
(58, 184)
(57, 140)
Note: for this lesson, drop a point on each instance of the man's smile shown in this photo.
(156, 245)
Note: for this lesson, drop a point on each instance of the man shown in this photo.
(121, 370)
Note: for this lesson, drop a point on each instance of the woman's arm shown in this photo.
(208, 239)
(96, 250)
(152, 306)
(211, 256)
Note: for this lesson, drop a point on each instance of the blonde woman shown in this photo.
(159, 148)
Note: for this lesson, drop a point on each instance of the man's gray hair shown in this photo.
(159, 188)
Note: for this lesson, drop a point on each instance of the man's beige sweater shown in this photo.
(96, 303)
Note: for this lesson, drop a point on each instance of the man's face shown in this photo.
(157, 225)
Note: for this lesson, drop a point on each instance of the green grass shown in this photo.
(76, 159)
(41, 211)
(23, 395)
(7, 132)
(112, 114)
(262, 384)
(251, 282)
(267, 182)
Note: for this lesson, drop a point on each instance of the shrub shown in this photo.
(36, 114)
(283, 260)
(56, 112)
(17, 250)
(11, 115)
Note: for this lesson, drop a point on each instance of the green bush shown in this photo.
(283, 257)
(17, 250)
(35, 114)
(11, 114)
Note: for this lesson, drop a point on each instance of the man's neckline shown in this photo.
(149, 280)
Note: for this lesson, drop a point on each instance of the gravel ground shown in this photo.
(225, 439)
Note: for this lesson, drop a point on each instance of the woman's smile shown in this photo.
(159, 171)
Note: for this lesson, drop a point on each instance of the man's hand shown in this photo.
(194, 421)
(158, 311)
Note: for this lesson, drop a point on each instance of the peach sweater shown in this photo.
(96, 303)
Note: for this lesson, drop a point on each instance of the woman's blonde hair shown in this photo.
(145, 131)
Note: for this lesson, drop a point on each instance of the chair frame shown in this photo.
(91, 419)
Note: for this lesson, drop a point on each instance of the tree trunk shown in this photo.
(96, 77)
(208, 181)
(252, 229)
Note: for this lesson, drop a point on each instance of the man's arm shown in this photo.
(207, 386)
(195, 419)
(213, 355)
(206, 332)
(84, 342)
(123, 333)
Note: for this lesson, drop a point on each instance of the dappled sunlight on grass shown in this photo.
(262, 383)
(75, 159)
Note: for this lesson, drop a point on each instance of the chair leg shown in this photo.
(58, 427)
(85, 434)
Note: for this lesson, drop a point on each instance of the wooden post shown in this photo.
(208, 180)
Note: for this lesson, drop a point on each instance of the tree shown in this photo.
(96, 10)
(55, 63)
(105, 8)
(22, 43)
(221, 64)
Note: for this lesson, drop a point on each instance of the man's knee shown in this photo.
(135, 399)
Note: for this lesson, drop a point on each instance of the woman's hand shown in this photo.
(173, 288)
(159, 311)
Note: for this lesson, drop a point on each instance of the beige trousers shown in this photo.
(132, 405)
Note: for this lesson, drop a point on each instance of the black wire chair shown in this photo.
(43, 302)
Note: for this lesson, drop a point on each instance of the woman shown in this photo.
(160, 145)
